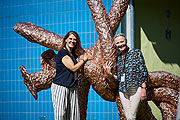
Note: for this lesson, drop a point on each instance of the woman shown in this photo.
(131, 76)
(64, 86)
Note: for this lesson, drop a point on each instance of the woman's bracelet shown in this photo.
(83, 60)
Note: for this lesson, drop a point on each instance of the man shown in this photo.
(131, 76)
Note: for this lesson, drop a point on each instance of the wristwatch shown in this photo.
(143, 87)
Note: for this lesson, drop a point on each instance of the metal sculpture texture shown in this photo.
(163, 86)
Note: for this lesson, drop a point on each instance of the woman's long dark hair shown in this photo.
(77, 50)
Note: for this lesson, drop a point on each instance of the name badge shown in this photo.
(123, 77)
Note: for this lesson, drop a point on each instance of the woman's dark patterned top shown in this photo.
(135, 69)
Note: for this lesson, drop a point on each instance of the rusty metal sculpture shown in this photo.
(163, 86)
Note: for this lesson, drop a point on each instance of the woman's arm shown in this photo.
(67, 61)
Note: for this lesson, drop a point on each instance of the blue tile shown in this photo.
(56, 16)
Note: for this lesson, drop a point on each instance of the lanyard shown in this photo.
(123, 70)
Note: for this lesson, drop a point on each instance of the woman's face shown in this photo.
(120, 43)
(71, 41)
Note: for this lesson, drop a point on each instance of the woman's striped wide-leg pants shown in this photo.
(65, 102)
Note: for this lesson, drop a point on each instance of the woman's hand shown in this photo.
(107, 67)
(86, 57)
(67, 61)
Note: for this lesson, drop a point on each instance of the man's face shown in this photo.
(120, 43)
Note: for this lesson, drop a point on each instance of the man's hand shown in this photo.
(143, 94)
(107, 67)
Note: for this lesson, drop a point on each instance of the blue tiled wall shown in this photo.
(59, 16)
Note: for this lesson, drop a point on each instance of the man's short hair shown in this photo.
(120, 34)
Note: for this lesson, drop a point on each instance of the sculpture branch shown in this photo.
(163, 86)
(36, 34)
